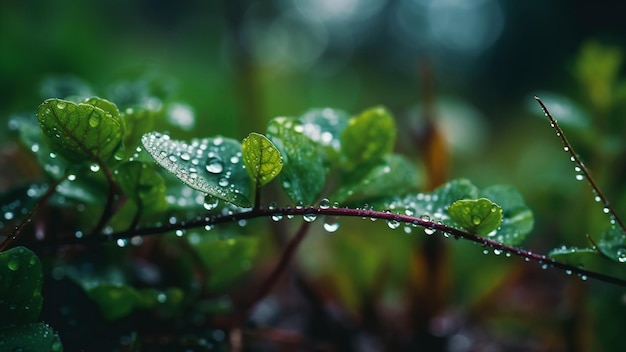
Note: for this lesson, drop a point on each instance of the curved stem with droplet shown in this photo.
(340, 212)
(575, 158)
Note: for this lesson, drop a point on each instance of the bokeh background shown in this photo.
(467, 70)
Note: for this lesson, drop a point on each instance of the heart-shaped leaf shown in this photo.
(262, 159)
(209, 165)
(86, 132)
(479, 216)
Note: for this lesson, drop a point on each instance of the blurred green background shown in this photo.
(475, 65)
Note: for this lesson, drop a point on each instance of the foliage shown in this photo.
(112, 179)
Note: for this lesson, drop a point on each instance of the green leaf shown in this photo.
(138, 121)
(324, 127)
(31, 137)
(612, 244)
(85, 132)
(579, 257)
(303, 175)
(118, 301)
(143, 185)
(209, 165)
(393, 175)
(20, 287)
(479, 216)
(262, 159)
(226, 260)
(517, 218)
(33, 337)
(433, 205)
(368, 137)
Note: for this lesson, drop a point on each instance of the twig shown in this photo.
(608, 209)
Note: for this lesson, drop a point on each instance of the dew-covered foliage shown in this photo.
(137, 224)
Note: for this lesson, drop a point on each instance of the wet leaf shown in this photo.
(138, 121)
(303, 174)
(324, 127)
(612, 244)
(30, 337)
(209, 165)
(84, 132)
(263, 161)
(20, 287)
(479, 216)
(394, 174)
(367, 137)
(517, 218)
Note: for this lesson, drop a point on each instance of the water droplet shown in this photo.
(566, 148)
(393, 224)
(331, 223)
(335, 205)
(309, 217)
(242, 222)
(185, 156)
(214, 165)
(476, 220)
(425, 217)
(13, 264)
(223, 181)
(606, 210)
(497, 251)
(299, 205)
(180, 233)
(78, 234)
(621, 256)
(121, 242)
(210, 203)
(407, 228)
(325, 203)
(277, 217)
(94, 167)
(429, 230)
(61, 105)
(53, 155)
(579, 177)
(94, 119)
(598, 199)
(9, 215)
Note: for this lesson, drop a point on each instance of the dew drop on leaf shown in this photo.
(214, 165)
(324, 203)
(210, 203)
(13, 264)
(94, 167)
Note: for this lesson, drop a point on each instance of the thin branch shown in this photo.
(608, 209)
(340, 212)
(14, 235)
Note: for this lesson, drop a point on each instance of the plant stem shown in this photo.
(575, 158)
(340, 212)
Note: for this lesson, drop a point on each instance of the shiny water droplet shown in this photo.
(309, 217)
(408, 229)
(121, 242)
(242, 222)
(53, 155)
(425, 217)
(621, 256)
(566, 148)
(61, 105)
(94, 167)
(214, 165)
(331, 223)
(497, 251)
(393, 224)
(429, 230)
(180, 233)
(476, 220)
(597, 199)
(13, 264)
(185, 156)
(94, 119)
(606, 210)
(325, 203)
(223, 181)
(210, 203)
(277, 217)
